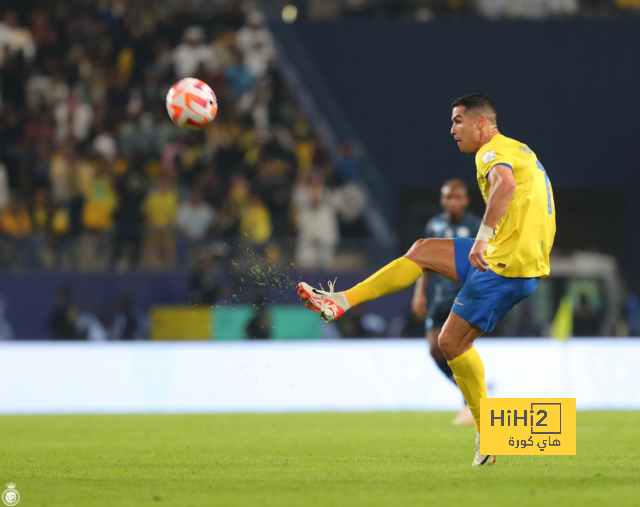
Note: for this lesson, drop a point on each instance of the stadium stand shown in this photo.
(93, 174)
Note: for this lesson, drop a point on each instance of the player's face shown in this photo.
(465, 131)
(454, 200)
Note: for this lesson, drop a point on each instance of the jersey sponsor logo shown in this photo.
(526, 149)
(500, 265)
(489, 156)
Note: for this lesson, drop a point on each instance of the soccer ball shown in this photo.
(191, 104)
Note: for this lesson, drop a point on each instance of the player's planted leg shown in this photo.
(456, 341)
(464, 417)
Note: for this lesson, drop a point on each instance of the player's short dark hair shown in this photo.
(455, 183)
(480, 104)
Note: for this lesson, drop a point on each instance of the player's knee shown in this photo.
(419, 247)
(422, 244)
(447, 344)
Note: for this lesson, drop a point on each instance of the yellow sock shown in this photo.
(468, 371)
(395, 276)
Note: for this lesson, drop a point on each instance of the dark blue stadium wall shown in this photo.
(570, 89)
(29, 297)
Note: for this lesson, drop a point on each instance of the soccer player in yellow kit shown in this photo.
(498, 269)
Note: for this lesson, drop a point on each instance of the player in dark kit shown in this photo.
(455, 222)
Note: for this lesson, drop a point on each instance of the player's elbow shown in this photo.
(511, 187)
(507, 186)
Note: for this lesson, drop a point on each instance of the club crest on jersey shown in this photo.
(489, 156)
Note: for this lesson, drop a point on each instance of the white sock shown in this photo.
(341, 299)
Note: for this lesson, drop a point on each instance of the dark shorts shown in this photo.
(486, 298)
(438, 314)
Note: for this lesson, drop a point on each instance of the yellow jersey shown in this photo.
(524, 236)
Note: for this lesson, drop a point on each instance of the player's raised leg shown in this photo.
(425, 254)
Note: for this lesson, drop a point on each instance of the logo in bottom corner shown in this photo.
(528, 426)
(11, 496)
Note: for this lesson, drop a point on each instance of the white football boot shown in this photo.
(482, 459)
(330, 305)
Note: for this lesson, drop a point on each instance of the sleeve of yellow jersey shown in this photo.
(490, 156)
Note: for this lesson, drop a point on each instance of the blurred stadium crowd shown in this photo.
(425, 10)
(93, 174)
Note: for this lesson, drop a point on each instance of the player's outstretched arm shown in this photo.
(503, 185)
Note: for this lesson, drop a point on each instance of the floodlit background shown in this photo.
(117, 226)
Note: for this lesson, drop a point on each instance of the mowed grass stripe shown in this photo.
(341, 459)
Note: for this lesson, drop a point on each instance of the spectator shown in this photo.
(100, 200)
(6, 329)
(105, 145)
(255, 104)
(128, 323)
(63, 318)
(41, 213)
(160, 208)
(70, 174)
(16, 224)
(73, 101)
(256, 44)
(41, 220)
(350, 326)
(413, 327)
(46, 90)
(192, 56)
(97, 218)
(586, 321)
(346, 165)
(73, 118)
(204, 286)
(259, 327)
(14, 219)
(240, 77)
(131, 189)
(89, 327)
(61, 241)
(349, 200)
(15, 40)
(317, 226)
(255, 222)
(140, 136)
(193, 221)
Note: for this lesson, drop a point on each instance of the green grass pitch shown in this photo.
(269, 460)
